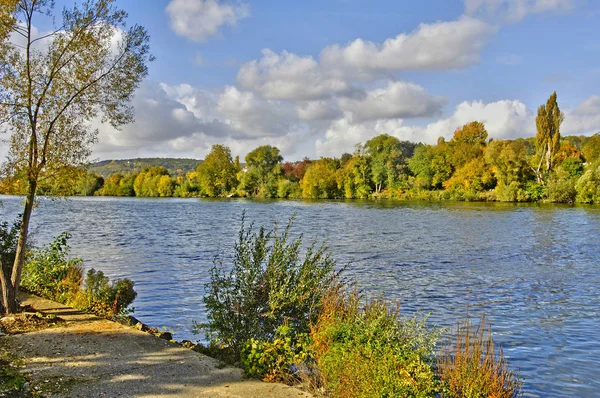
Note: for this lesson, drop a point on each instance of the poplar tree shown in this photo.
(548, 121)
(53, 85)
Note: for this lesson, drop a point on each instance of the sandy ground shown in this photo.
(91, 357)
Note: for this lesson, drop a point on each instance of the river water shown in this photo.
(533, 270)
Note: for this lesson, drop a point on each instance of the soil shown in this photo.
(80, 355)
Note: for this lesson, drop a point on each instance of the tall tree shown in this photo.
(52, 85)
(217, 174)
(548, 121)
(265, 163)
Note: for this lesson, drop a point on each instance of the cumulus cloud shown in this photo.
(318, 110)
(434, 46)
(397, 100)
(503, 120)
(199, 19)
(515, 10)
(584, 119)
(288, 76)
(251, 116)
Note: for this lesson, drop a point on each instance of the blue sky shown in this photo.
(316, 77)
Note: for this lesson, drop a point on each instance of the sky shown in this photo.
(316, 77)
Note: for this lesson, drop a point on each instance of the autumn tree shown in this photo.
(217, 174)
(53, 84)
(548, 121)
(319, 181)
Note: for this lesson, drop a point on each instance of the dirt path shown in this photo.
(91, 357)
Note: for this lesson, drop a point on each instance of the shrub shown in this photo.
(48, 272)
(588, 185)
(366, 351)
(471, 367)
(103, 298)
(275, 361)
(561, 191)
(269, 284)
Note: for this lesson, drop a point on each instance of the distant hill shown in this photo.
(125, 166)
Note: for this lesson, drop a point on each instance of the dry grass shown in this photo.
(26, 322)
(472, 366)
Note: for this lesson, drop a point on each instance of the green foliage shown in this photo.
(370, 351)
(561, 190)
(106, 168)
(548, 121)
(9, 235)
(103, 298)
(274, 361)
(269, 284)
(319, 181)
(217, 174)
(588, 185)
(49, 273)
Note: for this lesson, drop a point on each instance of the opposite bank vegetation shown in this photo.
(280, 309)
(469, 167)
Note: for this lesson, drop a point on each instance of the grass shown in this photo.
(11, 380)
(472, 366)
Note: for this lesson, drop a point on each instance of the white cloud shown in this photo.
(515, 10)
(342, 135)
(584, 119)
(251, 116)
(199, 19)
(318, 110)
(434, 46)
(397, 100)
(505, 119)
(288, 76)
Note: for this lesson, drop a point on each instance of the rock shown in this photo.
(130, 320)
(188, 344)
(142, 327)
(164, 335)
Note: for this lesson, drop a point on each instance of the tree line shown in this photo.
(470, 166)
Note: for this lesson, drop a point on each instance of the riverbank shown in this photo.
(86, 356)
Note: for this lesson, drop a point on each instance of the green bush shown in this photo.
(103, 298)
(49, 273)
(588, 185)
(561, 191)
(370, 351)
(274, 361)
(271, 282)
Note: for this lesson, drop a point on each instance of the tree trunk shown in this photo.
(8, 293)
(11, 287)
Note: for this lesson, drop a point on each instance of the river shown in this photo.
(533, 270)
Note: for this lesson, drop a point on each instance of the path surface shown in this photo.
(92, 357)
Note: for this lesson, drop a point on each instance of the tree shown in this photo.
(265, 162)
(53, 85)
(217, 174)
(548, 121)
(319, 182)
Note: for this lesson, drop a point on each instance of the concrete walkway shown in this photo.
(92, 357)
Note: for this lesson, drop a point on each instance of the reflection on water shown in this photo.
(533, 270)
